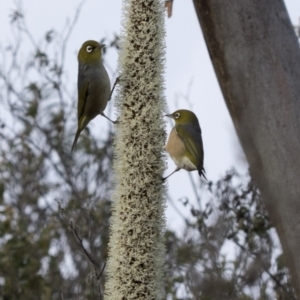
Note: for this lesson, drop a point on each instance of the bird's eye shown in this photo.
(177, 115)
(89, 49)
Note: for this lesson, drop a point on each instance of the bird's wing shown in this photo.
(192, 140)
(83, 89)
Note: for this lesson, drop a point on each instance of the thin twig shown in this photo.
(266, 269)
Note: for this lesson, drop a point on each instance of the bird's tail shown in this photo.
(82, 122)
(202, 173)
(76, 138)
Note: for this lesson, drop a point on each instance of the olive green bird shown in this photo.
(93, 85)
(185, 142)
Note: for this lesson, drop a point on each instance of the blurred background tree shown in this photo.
(244, 40)
(40, 259)
(55, 207)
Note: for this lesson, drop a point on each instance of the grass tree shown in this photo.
(136, 247)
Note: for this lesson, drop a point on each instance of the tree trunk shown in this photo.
(256, 57)
(136, 248)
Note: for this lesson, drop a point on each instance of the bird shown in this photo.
(93, 85)
(184, 144)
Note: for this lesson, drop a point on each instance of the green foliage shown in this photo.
(44, 190)
(233, 220)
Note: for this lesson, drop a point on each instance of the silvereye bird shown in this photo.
(93, 85)
(185, 142)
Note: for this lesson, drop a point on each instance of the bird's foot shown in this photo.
(118, 79)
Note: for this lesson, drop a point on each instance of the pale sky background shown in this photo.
(188, 72)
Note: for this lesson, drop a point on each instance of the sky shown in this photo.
(190, 81)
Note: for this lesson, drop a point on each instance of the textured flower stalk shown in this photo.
(136, 247)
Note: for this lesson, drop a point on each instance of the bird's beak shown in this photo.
(170, 116)
(101, 46)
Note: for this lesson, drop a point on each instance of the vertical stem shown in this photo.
(136, 248)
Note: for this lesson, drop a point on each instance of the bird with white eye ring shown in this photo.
(93, 85)
(184, 144)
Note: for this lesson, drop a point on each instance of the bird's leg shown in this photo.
(176, 170)
(103, 115)
(112, 90)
